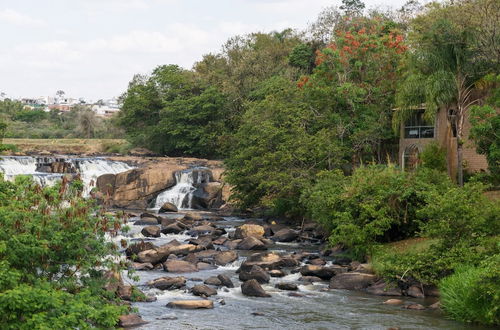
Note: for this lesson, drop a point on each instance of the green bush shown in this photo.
(8, 147)
(376, 204)
(434, 157)
(472, 294)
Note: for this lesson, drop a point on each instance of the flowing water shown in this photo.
(319, 308)
(181, 195)
(88, 168)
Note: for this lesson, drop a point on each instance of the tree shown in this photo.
(3, 129)
(443, 69)
(351, 7)
(87, 123)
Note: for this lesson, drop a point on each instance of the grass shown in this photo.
(70, 146)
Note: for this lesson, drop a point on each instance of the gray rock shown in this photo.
(255, 273)
(168, 283)
(252, 288)
(352, 281)
(225, 257)
(151, 231)
(213, 280)
(285, 235)
(203, 290)
(225, 280)
(287, 286)
(179, 266)
(168, 207)
(251, 243)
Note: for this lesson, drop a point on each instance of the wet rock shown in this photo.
(173, 228)
(203, 229)
(257, 314)
(231, 245)
(415, 307)
(213, 280)
(130, 320)
(205, 266)
(431, 291)
(142, 266)
(248, 230)
(267, 242)
(393, 302)
(204, 242)
(251, 243)
(192, 216)
(184, 249)
(168, 207)
(285, 235)
(225, 280)
(168, 318)
(287, 286)
(381, 288)
(191, 304)
(310, 279)
(252, 288)
(415, 292)
(135, 248)
(295, 294)
(317, 262)
(352, 281)
(322, 272)
(151, 231)
(206, 254)
(203, 290)
(255, 273)
(221, 301)
(220, 241)
(168, 283)
(225, 257)
(146, 221)
(179, 266)
(276, 273)
(436, 305)
(125, 292)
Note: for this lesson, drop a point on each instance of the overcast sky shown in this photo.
(92, 48)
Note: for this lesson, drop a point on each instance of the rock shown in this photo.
(208, 195)
(151, 231)
(251, 243)
(310, 279)
(256, 273)
(150, 256)
(393, 302)
(168, 207)
(146, 221)
(287, 286)
(415, 307)
(415, 292)
(191, 304)
(168, 283)
(173, 228)
(135, 248)
(192, 216)
(205, 266)
(436, 305)
(252, 288)
(220, 241)
(295, 294)
(225, 280)
(257, 314)
(203, 290)
(206, 254)
(184, 249)
(276, 273)
(431, 291)
(225, 257)
(352, 281)
(248, 230)
(125, 292)
(317, 262)
(382, 289)
(179, 266)
(213, 280)
(142, 266)
(221, 301)
(130, 320)
(203, 241)
(322, 272)
(231, 245)
(285, 235)
(203, 229)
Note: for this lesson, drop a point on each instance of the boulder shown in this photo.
(225, 280)
(436, 305)
(173, 228)
(352, 281)
(276, 273)
(213, 280)
(168, 283)
(231, 245)
(191, 304)
(168, 207)
(285, 235)
(146, 222)
(203, 290)
(192, 216)
(135, 248)
(251, 243)
(393, 302)
(322, 272)
(202, 241)
(317, 262)
(130, 320)
(252, 288)
(151, 231)
(381, 288)
(287, 286)
(179, 266)
(206, 254)
(142, 266)
(203, 229)
(225, 257)
(208, 195)
(256, 273)
(125, 292)
(205, 266)
(184, 249)
(248, 230)
(220, 241)
(415, 307)
(310, 279)
(415, 292)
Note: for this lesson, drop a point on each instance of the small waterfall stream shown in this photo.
(181, 195)
(88, 168)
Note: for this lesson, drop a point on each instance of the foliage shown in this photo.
(434, 157)
(53, 256)
(8, 147)
(302, 56)
(376, 204)
(472, 294)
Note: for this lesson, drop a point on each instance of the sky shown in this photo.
(92, 48)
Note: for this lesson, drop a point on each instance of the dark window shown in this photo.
(416, 127)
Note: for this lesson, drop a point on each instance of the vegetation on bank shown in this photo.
(54, 258)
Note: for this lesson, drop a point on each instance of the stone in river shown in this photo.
(415, 307)
(213, 280)
(168, 207)
(393, 302)
(130, 320)
(277, 273)
(287, 286)
(225, 257)
(322, 272)
(248, 230)
(251, 243)
(384, 289)
(352, 281)
(173, 228)
(151, 231)
(256, 273)
(225, 280)
(415, 292)
(203, 290)
(168, 283)
(191, 304)
(252, 288)
(285, 235)
(179, 266)
(146, 221)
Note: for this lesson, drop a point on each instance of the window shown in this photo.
(416, 127)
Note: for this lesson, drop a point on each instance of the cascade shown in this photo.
(186, 183)
(88, 168)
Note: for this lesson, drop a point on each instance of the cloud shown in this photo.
(17, 18)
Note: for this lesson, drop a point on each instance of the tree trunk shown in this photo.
(460, 170)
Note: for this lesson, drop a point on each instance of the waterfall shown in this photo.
(186, 183)
(88, 168)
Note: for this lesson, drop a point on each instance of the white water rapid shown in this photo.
(181, 195)
(88, 168)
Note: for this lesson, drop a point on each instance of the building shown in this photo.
(416, 133)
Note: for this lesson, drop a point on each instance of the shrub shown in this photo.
(472, 294)
(434, 157)
(376, 204)
(8, 147)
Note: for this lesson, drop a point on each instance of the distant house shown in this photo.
(416, 133)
